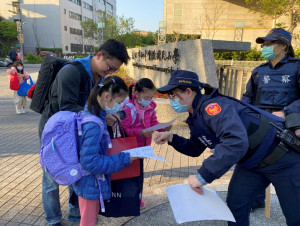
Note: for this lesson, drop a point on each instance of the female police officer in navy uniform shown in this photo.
(239, 134)
(274, 85)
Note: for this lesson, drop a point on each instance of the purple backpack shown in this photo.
(59, 150)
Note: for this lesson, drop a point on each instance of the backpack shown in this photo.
(47, 74)
(24, 87)
(59, 151)
(132, 109)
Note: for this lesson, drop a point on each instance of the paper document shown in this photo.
(143, 152)
(187, 205)
(160, 126)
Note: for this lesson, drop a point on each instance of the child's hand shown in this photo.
(168, 128)
(146, 134)
(111, 119)
(162, 137)
(133, 158)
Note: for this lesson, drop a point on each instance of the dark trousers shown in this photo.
(246, 185)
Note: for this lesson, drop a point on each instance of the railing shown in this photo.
(233, 80)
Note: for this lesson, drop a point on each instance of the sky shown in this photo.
(146, 13)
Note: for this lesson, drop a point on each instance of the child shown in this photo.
(20, 101)
(140, 113)
(93, 150)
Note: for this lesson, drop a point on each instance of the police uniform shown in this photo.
(275, 88)
(233, 129)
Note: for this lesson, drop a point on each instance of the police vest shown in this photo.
(277, 88)
(261, 135)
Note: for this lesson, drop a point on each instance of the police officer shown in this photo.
(274, 85)
(239, 134)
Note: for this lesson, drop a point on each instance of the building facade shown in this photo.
(56, 23)
(214, 19)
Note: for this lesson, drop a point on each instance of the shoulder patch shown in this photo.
(213, 109)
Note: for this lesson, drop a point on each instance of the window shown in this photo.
(177, 14)
(76, 47)
(87, 6)
(66, 48)
(65, 11)
(102, 1)
(78, 2)
(88, 49)
(65, 27)
(86, 19)
(74, 16)
(75, 31)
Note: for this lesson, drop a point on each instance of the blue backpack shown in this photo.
(59, 151)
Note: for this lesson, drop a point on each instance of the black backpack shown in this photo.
(47, 74)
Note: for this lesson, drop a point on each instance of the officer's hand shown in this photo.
(162, 137)
(146, 134)
(279, 114)
(111, 119)
(195, 184)
(297, 132)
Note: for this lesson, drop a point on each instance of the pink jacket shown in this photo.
(145, 118)
(12, 71)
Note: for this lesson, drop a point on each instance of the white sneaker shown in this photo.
(23, 111)
(18, 111)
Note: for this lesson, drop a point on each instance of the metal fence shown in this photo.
(233, 80)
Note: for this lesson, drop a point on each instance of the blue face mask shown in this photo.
(114, 109)
(144, 102)
(268, 52)
(178, 107)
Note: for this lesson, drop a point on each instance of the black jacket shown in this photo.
(69, 92)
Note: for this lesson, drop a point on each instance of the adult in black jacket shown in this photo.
(69, 92)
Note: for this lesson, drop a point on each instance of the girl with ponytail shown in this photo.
(140, 113)
(104, 98)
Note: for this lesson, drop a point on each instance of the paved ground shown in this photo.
(20, 174)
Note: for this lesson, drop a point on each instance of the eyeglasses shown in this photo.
(174, 95)
(109, 68)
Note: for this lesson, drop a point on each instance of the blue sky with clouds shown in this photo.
(146, 13)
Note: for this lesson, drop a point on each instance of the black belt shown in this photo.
(274, 156)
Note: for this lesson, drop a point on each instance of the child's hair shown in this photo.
(15, 64)
(113, 84)
(140, 85)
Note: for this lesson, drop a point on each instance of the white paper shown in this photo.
(187, 205)
(160, 126)
(143, 152)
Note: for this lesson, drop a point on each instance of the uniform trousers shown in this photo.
(246, 184)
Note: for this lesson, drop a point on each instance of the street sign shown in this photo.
(19, 28)
(21, 38)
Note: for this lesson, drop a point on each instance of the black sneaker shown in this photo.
(256, 205)
(56, 224)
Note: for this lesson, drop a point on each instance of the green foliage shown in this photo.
(4, 49)
(8, 31)
(90, 29)
(297, 53)
(274, 9)
(252, 55)
(33, 59)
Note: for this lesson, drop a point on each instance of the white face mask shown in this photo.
(20, 68)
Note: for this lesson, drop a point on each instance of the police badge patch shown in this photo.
(213, 109)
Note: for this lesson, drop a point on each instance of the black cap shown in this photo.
(181, 78)
(276, 34)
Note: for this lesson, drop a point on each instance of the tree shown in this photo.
(274, 9)
(8, 31)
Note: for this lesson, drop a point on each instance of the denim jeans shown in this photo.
(50, 197)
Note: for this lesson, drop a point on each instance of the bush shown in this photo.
(252, 55)
(33, 59)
